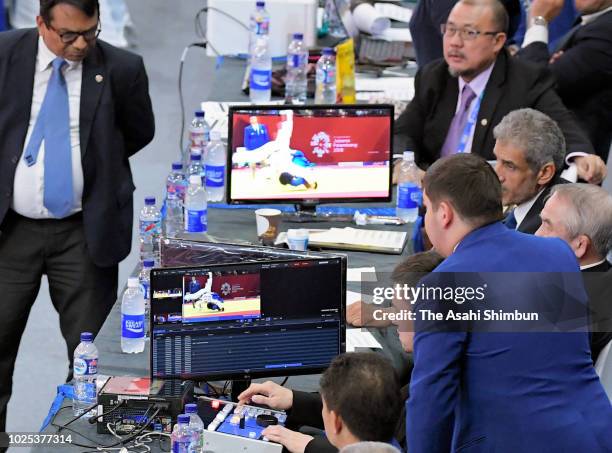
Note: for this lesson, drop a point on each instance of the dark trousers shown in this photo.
(81, 292)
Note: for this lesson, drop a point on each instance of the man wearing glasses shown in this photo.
(459, 100)
(72, 111)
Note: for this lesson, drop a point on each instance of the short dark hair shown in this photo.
(500, 14)
(363, 389)
(469, 184)
(89, 7)
(415, 267)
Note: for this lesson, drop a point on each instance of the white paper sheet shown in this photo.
(361, 274)
(360, 338)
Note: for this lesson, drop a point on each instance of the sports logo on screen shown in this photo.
(321, 143)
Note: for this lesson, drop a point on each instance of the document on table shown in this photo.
(394, 12)
(360, 274)
(400, 88)
(348, 238)
(360, 338)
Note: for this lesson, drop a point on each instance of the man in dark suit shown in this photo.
(355, 390)
(529, 151)
(255, 135)
(581, 215)
(581, 64)
(502, 389)
(459, 100)
(72, 111)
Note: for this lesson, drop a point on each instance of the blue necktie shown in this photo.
(510, 220)
(53, 126)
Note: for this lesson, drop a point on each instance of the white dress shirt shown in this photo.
(521, 210)
(28, 187)
(588, 266)
(478, 85)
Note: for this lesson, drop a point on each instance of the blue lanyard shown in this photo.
(465, 136)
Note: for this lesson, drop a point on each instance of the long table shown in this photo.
(229, 224)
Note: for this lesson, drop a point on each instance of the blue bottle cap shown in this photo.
(191, 408)
(260, 4)
(298, 36)
(199, 113)
(195, 156)
(148, 263)
(87, 337)
(150, 201)
(177, 166)
(183, 419)
(328, 51)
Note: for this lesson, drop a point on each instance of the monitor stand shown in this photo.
(308, 214)
(239, 386)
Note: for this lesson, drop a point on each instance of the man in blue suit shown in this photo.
(503, 391)
(255, 135)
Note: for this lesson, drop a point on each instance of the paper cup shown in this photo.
(268, 221)
(297, 239)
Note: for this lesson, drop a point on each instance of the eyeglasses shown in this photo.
(466, 34)
(68, 37)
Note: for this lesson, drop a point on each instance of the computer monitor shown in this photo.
(309, 155)
(247, 320)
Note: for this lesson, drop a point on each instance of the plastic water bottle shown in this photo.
(145, 285)
(334, 9)
(215, 167)
(196, 427)
(196, 206)
(176, 186)
(409, 193)
(259, 24)
(85, 371)
(296, 82)
(199, 131)
(326, 78)
(260, 82)
(181, 436)
(132, 318)
(150, 229)
(195, 165)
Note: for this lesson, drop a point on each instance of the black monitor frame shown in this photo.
(306, 205)
(254, 374)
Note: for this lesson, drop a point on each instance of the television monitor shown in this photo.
(247, 320)
(309, 154)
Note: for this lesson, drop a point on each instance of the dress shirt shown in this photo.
(587, 266)
(28, 187)
(521, 210)
(478, 85)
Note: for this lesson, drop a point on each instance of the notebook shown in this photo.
(381, 241)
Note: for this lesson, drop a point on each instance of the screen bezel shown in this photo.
(259, 373)
(305, 201)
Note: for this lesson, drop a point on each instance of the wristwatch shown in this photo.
(539, 20)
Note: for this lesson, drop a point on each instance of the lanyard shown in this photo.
(465, 136)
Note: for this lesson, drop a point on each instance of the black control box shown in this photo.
(126, 404)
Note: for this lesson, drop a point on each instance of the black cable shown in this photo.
(284, 381)
(95, 418)
(180, 89)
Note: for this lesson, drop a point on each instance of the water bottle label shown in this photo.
(150, 228)
(132, 326)
(409, 196)
(261, 79)
(215, 175)
(326, 75)
(262, 27)
(196, 221)
(176, 191)
(180, 446)
(85, 367)
(144, 287)
(297, 60)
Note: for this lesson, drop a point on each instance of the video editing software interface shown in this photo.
(247, 319)
(292, 153)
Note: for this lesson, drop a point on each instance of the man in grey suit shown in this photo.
(72, 111)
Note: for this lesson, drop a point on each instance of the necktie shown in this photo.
(53, 126)
(566, 39)
(510, 220)
(455, 131)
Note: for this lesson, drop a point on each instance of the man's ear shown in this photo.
(546, 174)
(337, 423)
(580, 244)
(446, 213)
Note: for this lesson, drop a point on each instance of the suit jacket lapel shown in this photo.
(92, 84)
(20, 79)
(492, 95)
